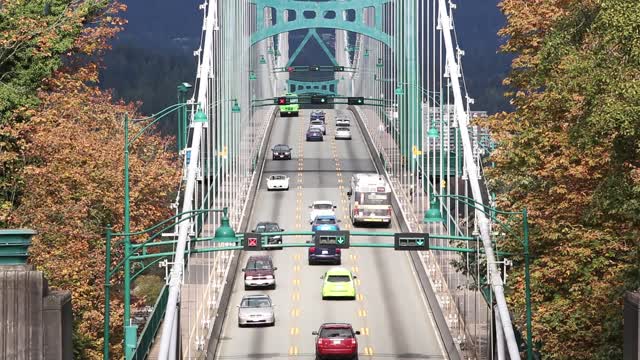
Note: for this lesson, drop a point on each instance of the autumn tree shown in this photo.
(69, 137)
(569, 153)
(36, 38)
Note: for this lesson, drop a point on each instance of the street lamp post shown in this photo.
(433, 215)
(224, 233)
(130, 331)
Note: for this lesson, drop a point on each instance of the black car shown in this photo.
(324, 254)
(314, 135)
(269, 227)
(281, 151)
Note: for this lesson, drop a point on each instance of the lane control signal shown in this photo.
(316, 99)
(338, 68)
(355, 100)
(252, 242)
(283, 100)
(338, 239)
(411, 241)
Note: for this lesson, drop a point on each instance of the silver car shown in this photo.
(318, 124)
(343, 133)
(256, 310)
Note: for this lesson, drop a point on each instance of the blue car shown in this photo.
(317, 115)
(325, 254)
(314, 134)
(325, 223)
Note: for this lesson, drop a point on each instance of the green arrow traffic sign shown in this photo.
(420, 242)
(340, 240)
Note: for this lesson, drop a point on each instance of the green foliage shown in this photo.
(35, 39)
(148, 287)
(570, 155)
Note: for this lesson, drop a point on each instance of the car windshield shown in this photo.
(316, 122)
(338, 278)
(342, 129)
(340, 333)
(281, 148)
(324, 221)
(278, 177)
(259, 265)
(255, 303)
(267, 228)
(323, 206)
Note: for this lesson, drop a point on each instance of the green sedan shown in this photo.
(338, 283)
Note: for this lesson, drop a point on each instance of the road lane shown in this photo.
(389, 309)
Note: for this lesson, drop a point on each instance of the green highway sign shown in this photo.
(411, 241)
(339, 239)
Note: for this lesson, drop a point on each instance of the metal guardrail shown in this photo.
(152, 326)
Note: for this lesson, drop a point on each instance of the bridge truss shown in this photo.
(403, 51)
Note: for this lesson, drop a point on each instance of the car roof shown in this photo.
(257, 296)
(259, 257)
(266, 223)
(323, 202)
(325, 217)
(343, 129)
(336, 326)
(338, 271)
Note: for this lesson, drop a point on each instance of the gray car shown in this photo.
(256, 310)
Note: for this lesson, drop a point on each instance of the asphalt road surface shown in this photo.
(390, 309)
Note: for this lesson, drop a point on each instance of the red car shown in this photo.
(336, 341)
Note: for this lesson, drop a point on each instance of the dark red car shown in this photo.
(259, 273)
(336, 341)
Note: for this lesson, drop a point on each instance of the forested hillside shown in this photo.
(61, 141)
(569, 153)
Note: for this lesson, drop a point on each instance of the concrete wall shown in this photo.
(35, 323)
(631, 326)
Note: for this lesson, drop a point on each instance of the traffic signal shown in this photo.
(317, 99)
(314, 68)
(283, 100)
(411, 241)
(338, 68)
(355, 100)
(338, 239)
(252, 242)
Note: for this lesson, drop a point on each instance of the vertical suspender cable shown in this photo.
(175, 278)
(496, 279)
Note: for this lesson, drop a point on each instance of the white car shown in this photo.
(343, 133)
(342, 122)
(322, 207)
(318, 124)
(278, 182)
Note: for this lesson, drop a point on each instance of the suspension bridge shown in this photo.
(395, 71)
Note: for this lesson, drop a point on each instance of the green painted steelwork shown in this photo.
(328, 14)
(152, 326)
(304, 68)
(313, 87)
(14, 246)
(312, 33)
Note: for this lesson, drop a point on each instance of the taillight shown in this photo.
(389, 211)
(352, 342)
(312, 249)
(337, 251)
